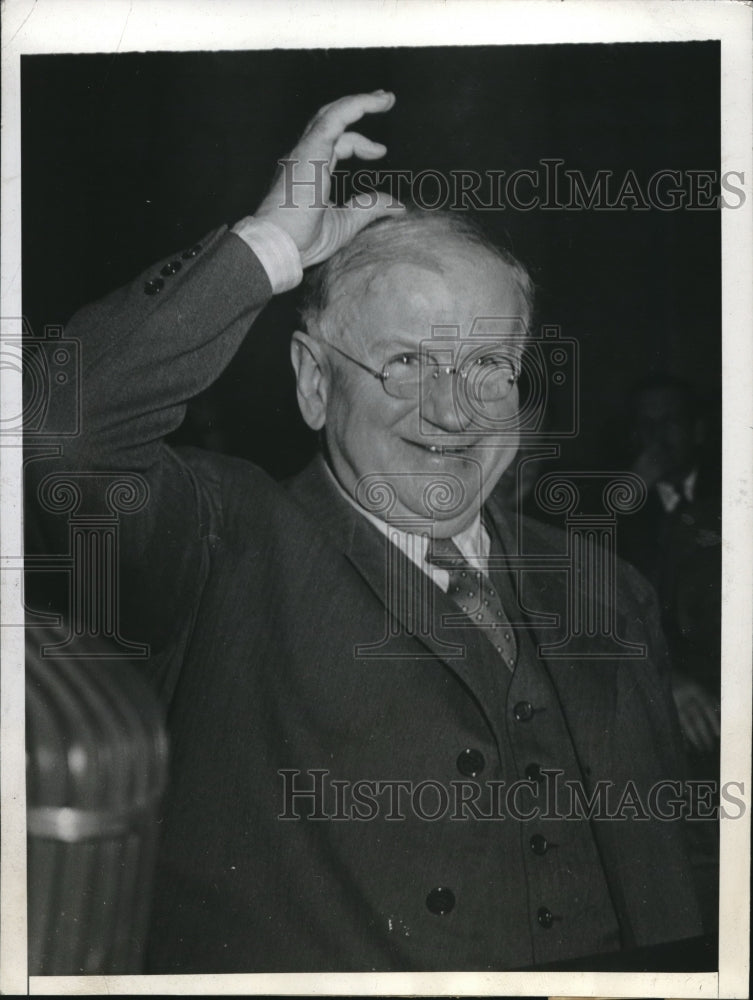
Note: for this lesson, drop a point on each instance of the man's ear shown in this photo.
(310, 369)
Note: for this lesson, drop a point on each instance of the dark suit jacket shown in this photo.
(262, 605)
(679, 552)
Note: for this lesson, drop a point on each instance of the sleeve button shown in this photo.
(153, 286)
(172, 268)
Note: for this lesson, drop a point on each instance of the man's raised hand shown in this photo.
(298, 200)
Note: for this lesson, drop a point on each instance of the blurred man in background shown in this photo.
(675, 541)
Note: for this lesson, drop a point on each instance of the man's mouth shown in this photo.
(444, 449)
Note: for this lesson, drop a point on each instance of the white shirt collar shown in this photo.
(473, 542)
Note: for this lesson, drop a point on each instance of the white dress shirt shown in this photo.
(473, 542)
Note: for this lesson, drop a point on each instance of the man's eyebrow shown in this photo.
(399, 342)
(405, 343)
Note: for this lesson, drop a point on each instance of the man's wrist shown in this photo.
(275, 249)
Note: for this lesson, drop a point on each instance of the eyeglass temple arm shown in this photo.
(372, 371)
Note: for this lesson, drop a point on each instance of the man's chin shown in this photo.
(419, 515)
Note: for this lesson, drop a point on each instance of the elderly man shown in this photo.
(372, 763)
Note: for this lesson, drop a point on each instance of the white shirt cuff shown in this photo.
(275, 249)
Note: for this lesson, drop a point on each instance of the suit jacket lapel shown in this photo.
(416, 610)
(584, 687)
(536, 590)
(415, 628)
(543, 587)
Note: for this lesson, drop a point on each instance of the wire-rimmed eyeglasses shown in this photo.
(488, 376)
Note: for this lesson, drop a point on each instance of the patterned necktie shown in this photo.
(476, 597)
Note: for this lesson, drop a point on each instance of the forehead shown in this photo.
(405, 304)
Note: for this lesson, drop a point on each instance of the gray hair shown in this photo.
(415, 237)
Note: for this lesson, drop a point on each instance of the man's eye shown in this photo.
(407, 360)
(494, 361)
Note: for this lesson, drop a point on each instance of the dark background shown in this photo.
(129, 157)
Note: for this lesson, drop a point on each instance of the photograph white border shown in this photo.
(57, 26)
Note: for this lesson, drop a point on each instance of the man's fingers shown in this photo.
(711, 711)
(362, 209)
(716, 724)
(694, 731)
(370, 205)
(331, 121)
(699, 724)
(704, 732)
(707, 712)
(341, 224)
(354, 144)
(317, 228)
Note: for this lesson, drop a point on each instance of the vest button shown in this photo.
(533, 773)
(470, 762)
(440, 901)
(523, 711)
(545, 917)
(539, 844)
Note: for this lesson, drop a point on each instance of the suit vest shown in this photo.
(554, 875)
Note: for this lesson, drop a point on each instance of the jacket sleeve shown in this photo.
(144, 351)
(700, 830)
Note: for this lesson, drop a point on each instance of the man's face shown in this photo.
(417, 443)
(665, 429)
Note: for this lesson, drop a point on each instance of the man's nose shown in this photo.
(442, 405)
